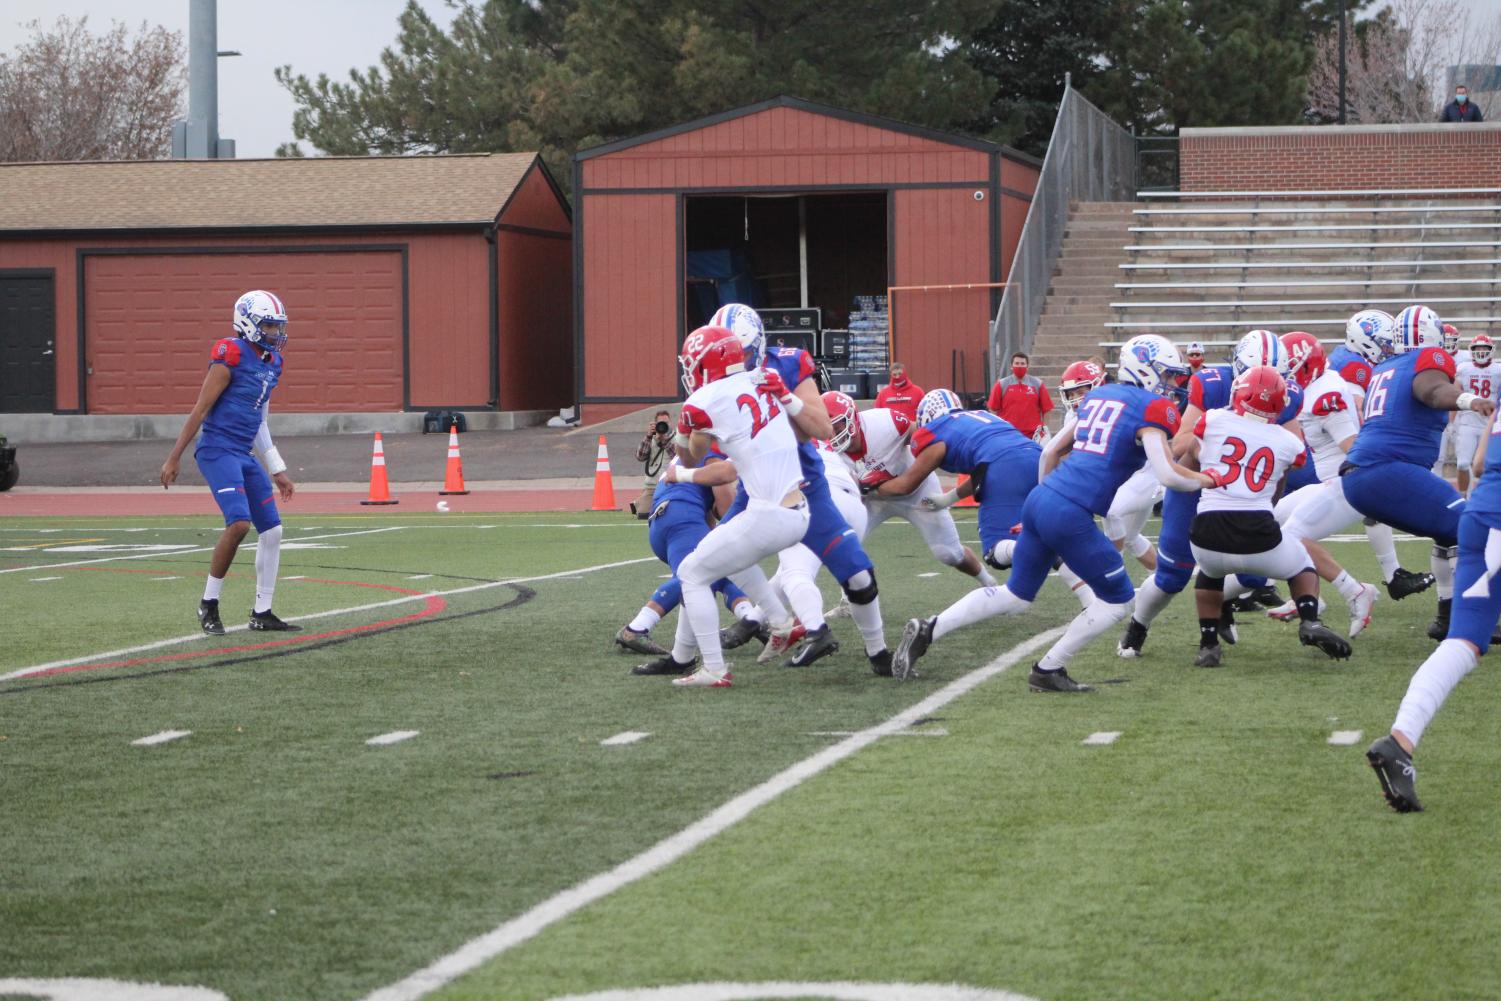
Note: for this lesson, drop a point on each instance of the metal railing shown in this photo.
(1090, 158)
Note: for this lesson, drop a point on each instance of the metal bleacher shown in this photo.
(1209, 266)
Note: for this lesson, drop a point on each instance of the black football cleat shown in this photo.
(268, 622)
(1226, 627)
(880, 663)
(208, 617)
(818, 644)
(1267, 597)
(1335, 646)
(742, 632)
(1439, 627)
(917, 635)
(1209, 656)
(1405, 582)
(1133, 640)
(638, 642)
(1399, 778)
(1054, 681)
(1245, 603)
(663, 666)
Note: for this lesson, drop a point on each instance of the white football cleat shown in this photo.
(781, 641)
(703, 678)
(1288, 611)
(839, 611)
(1360, 609)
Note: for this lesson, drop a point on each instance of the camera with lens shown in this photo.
(662, 427)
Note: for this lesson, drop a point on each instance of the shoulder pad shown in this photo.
(1356, 371)
(695, 418)
(225, 352)
(903, 424)
(921, 439)
(1434, 358)
(1329, 403)
(1161, 413)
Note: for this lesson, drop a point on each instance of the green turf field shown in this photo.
(1219, 848)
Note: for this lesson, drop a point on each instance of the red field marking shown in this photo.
(433, 605)
(60, 503)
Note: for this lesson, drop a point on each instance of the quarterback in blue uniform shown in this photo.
(1388, 474)
(231, 409)
(1476, 610)
(1115, 430)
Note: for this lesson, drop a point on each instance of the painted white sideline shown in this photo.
(394, 737)
(519, 929)
(1344, 738)
(843, 990)
(39, 580)
(91, 989)
(1101, 738)
(190, 637)
(627, 737)
(185, 552)
(161, 738)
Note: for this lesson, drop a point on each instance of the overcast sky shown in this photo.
(314, 36)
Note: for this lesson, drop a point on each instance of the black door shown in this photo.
(28, 348)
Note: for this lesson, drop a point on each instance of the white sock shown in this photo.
(1150, 601)
(1002, 551)
(1431, 685)
(752, 580)
(1349, 588)
(1139, 545)
(702, 612)
(976, 606)
(1385, 548)
(1442, 568)
(745, 609)
(804, 597)
(213, 588)
(267, 563)
(684, 643)
(644, 620)
(868, 620)
(985, 577)
(1235, 588)
(1094, 620)
(1076, 584)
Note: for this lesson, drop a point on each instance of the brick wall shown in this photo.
(1334, 157)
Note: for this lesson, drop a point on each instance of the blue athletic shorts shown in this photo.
(1302, 476)
(1002, 494)
(674, 534)
(1406, 496)
(1473, 619)
(1055, 526)
(240, 487)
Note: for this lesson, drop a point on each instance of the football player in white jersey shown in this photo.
(1475, 374)
(1448, 447)
(1245, 452)
(1329, 422)
(878, 441)
(726, 405)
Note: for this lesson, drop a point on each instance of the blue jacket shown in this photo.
(1456, 112)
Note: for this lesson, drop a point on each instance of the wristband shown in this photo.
(1464, 401)
(274, 462)
(682, 441)
(945, 500)
(683, 474)
(793, 404)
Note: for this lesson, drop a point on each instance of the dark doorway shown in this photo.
(773, 251)
(28, 348)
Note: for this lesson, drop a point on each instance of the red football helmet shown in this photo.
(1480, 350)
(1451, 337)
(1306, 355)
(1260, 392)
(710, 354)
(1078, 379)
(845, 417)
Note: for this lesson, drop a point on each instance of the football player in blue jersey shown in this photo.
(231, 409)
(1388, 475)
(1115, 429)
(1474, 614)
(788, 375)
(1209, 389)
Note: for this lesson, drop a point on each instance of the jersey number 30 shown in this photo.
(1258, 468)
(1096, 420)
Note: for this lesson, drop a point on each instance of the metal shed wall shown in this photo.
(534, 238)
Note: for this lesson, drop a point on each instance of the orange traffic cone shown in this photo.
(604, 485)
(380, 488)
(453, 475)
(967, 501)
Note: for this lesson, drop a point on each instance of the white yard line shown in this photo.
(184, 552)
(1344, 738)
(1101, 738)
(39, 580)
(478, 951)
(190, 637)
(627, 737)
(394, 737)
(161, 738)
(166, 578)
(937, 731)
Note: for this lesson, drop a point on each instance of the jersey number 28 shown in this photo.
(1096, 420)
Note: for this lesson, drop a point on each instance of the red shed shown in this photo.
(809, 206)
(412, 283)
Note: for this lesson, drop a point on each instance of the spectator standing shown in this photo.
(652, 453)
(901, 393)
(1195, 356)
(1461, 109)
(1021, 400)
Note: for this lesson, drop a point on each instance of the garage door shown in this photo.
(150, 320)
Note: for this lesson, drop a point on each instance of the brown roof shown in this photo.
(316, 191)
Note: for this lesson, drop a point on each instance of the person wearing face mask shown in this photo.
(1021, 400)
(1461, 109)
(1195, 356)
(901, 393)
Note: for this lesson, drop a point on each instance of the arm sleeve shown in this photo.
(1162, 465)
(263, 443)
